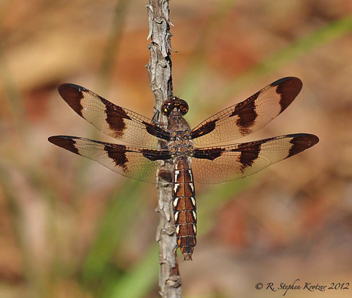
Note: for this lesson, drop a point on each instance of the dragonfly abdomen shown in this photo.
(184, 207)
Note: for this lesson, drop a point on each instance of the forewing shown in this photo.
(115, 121)
(227, 163)
(248, 116)
(136, 163)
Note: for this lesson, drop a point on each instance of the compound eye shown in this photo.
(167, 107)
(183, 107)
(184, 110)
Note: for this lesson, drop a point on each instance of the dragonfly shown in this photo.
(204, 154)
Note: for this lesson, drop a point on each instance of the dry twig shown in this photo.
(160, 74)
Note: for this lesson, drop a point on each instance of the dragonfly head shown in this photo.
(175, 103)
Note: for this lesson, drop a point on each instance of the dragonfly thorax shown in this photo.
(181, 143)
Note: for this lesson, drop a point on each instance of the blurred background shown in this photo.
(72, 228)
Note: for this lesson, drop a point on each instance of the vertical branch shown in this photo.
(160, 74)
